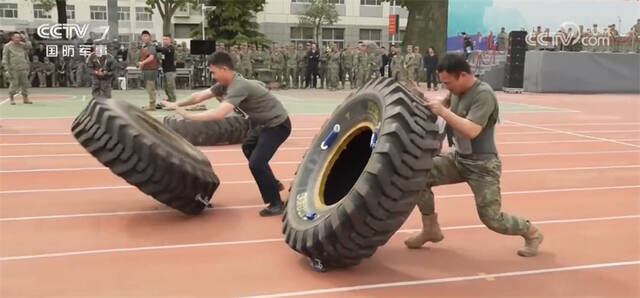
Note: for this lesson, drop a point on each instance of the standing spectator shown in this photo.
(291, 72)
(419, 65)
(398, 72)
(346, 63)
(385, 61)
(431, 65)
(168, 67)
(503, 39)
(278, 64)
(467, 44)
(324, 59)
(16, 63)
(301, 54)
(313, 58)
(101, 66)
(491, 45)
(333, 68)
(148, 63)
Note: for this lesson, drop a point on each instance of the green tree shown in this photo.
(319, 13)
(167, 8)
(233, 22)
(427, 23)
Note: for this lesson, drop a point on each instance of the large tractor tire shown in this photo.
(352, 193)
(138, 148)
(228, 131)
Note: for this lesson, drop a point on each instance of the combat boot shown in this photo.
(532, 240)
(25, 100)
(430, 232)
(11, 101)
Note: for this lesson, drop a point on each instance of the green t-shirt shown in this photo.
(254, 99)
(479, 105)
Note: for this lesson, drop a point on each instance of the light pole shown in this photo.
(204, 7)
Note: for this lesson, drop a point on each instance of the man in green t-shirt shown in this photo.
(270, 124)
(470, 111)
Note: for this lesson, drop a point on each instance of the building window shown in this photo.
(143, 14)
(71, 12)
(301, 35)
(98, 12)
(184, 30)
(39, 12)
(300, 1)
(337, 1)
(124, 38)
(332, 35)
(124, 13)
(371, 2)
(9, 10)
(370, 35)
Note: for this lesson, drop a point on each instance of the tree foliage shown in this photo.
(233, 22)
(319, 13)
(167, 8)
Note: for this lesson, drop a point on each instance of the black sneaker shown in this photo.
(280, 186)
(272, 210)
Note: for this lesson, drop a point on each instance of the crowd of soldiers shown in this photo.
(75, 71)
(306, 66)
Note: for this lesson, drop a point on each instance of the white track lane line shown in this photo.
(117, 213)
(575, 134)
(446, 280)
(257, 241)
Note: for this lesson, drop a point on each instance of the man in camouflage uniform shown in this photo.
(37, 71)
(410, 63)
(291, 74)
(245, 61)
(333, 68)
(15, 63)
(324, 66)
(470, 111)
(346, 63)
(302, 65)
(101, 66)
(375, 60)
(148, 63)
(235, 56)
(398, 72)
(49, 70)
(278, 66)
(362, 65)
(420, 74)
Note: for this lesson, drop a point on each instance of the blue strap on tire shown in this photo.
(374, 139)
(330, 138)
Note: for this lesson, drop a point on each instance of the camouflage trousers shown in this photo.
(483, 176)
(150, 77)
(411, 71)
(278, 75)
(170, 85)
(333, 73)
(18, 82)
(291, 77)
(101, 87)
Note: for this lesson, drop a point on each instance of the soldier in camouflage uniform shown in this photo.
(346, 63)
(49, 71)
(324, 67)
(37, 71)
(471, 113)
(278, 64)
(302, 65)
(420, 74)
(101, 66)
(362, 65)
(333, 68)
(291, 75)
(235, 56)
(398, 72)
(411, 64)
(15, 62)
(375, 60)
(245, 61)
(133, 55)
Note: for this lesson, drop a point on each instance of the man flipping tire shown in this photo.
(471, 113)
(270, 124)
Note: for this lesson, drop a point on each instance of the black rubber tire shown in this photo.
(228, 131)
(384, 192)
(138, 148)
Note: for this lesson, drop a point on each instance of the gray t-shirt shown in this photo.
(479, 105)
(254, 99)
